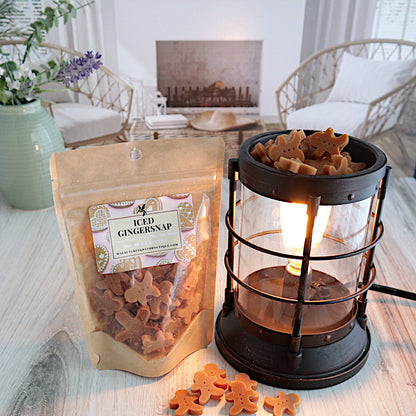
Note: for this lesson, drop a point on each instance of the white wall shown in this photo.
(279, 23)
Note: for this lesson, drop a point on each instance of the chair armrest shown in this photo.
(306, 83)
(105, 89)
(48, 106)
(102, 88)
(381, 109)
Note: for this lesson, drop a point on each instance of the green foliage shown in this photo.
(49, 18)
(19, 83)
(8, 10)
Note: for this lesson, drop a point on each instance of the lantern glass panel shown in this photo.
(278, 226)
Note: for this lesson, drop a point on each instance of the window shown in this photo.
(395, 19)
(30, 10)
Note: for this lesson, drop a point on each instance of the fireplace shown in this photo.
(213, 74)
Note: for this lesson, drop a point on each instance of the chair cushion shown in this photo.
(343, 117)
(56, 92)
(363, 80)
(82, 121)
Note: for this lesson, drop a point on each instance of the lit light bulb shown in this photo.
(294, 219)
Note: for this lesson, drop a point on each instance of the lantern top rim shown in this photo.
(333, 190)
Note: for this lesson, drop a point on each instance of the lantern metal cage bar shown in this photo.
(294, 359)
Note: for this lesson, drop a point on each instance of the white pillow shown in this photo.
(363, 80)
(343, 117)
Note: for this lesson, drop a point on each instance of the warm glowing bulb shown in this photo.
(294, 220)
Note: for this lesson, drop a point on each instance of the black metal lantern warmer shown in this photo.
(299, 267)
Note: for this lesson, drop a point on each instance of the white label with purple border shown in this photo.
(138, 234)
(143, 233)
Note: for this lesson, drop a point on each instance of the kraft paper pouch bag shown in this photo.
(139, 223)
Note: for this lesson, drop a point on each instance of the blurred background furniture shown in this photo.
(360, 88)
(95, 109)
(147, 100)
(232, 138)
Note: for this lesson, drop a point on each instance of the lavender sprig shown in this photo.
(79, 68)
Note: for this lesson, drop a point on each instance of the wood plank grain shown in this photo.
(45, 367)
(45, 386)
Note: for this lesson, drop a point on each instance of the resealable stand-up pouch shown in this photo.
(139, 223)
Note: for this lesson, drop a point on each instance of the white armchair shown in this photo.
(96, 108)
(359, 88)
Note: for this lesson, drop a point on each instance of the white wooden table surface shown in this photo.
(45, 368)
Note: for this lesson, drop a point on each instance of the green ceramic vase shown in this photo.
(28, 138)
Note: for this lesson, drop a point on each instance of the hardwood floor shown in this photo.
(400, 149)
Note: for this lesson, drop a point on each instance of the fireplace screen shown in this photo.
(194, 74)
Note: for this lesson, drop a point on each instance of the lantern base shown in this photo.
(273, 364)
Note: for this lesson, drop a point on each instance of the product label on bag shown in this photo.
(138, 234)
(148, 232)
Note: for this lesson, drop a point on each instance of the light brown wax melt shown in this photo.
(316, 154)
(249, 383)
(294, 166)
(355, 166)
(260, 153)
(140, 290)
(283, 403)
(213, 370)
(339, 167)
(288, 147)
(185, 403)
(105, 303)
(242, 393)
(327, 142)
(117, 283)
(205, 384)
(242, 397)
(146, 308)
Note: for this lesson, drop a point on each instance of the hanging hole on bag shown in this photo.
(135, 154)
